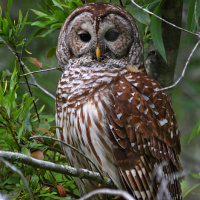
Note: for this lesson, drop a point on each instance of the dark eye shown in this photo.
(85, 37)
(111, 36)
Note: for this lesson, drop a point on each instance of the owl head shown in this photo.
(100, 33)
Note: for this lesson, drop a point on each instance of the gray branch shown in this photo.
(44, 70)
(63, 169)
(184, 69)
(167, 22)
(120, 193)
(71, 147)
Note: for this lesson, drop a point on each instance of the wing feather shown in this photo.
(145, 132)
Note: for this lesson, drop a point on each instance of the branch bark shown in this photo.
(117, 193)
(63, 169)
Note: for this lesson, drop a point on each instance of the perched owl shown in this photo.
(109, 108)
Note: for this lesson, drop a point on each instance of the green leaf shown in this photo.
(27, 122)
(57, 24)
(39, 13)
(49, 31)
(58, 4)
(13, 80)
(8, 19)
(24, 22)
(195, 175)
(68, 183)
(59, 15)
(38, 23)
(195, 131)
(41, 109)
(19, 134)
(44, 190)
(25, 151)
(9, 4)
(47, 194)
(1, 95)
(20, 17)
(27, 105)
(156, 32)
(52, 179)
(34, 181)
(195, 186)
(191, 25)
(51, 52)
(138, 14)
(5, 27)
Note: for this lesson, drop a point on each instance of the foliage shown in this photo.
(195, 132)
(18, 121)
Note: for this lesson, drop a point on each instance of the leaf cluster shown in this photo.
(18, 121)
(11, 30)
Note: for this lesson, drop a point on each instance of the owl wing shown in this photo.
(145, 133)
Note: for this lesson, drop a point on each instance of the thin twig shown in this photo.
(121, 193)
(171, 24)
(6, 117)
(121, 4)
(29, 89)
(75, 149)
(21, 174)
(63, 169)
(184, 69)
(44, 70)
(22, 63)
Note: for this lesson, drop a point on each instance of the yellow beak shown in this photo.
(98, 52)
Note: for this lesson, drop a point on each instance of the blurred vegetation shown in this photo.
(31, 29)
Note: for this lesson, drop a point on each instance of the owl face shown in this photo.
(111, 35)
(100, 33)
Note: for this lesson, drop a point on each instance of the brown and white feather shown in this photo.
(111, 110)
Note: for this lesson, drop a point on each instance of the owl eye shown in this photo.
(85, 37)
(111, 35)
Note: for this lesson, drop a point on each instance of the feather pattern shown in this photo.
(113, 117)
(109, 108)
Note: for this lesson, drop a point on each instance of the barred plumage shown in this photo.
(111, 109)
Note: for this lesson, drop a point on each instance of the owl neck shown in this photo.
(90, 62)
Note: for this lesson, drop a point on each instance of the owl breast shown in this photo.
(82, 99)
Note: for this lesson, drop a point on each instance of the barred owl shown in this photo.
(109, 108)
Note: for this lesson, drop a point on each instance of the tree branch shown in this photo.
(44, 70)
(167, 22)
(71, 147)
(121, 193)
(184, 69)
(22, 64)
(26, 80)
(63, 169)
